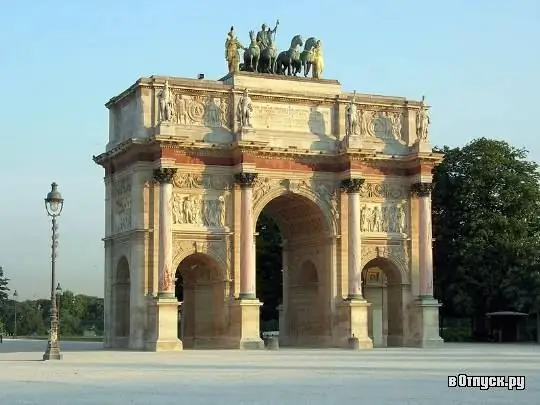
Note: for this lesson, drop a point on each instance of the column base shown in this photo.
(353, 323)
(426, 323)
(164, 321)
(244, 327)
(52, 353)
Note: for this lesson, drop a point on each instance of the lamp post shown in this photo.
(53, 204)
(15, 296)
(58, 295)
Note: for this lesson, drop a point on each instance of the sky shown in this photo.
(477, 62)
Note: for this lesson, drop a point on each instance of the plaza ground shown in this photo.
(89, 375)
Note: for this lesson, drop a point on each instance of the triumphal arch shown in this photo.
(190, 166)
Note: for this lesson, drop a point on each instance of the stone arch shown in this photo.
(279, 190)
(203, 292)
(397, 259)
(386, 313)
(216, 250)
(122, 302)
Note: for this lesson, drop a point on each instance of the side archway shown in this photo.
(122, 307)
(383, 289)
(200, 289)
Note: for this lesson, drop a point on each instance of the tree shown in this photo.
(486, 219)
(269, 267)
(4, 289)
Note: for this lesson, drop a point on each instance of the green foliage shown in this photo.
(4, 288)
(486, 219)
(269, 267)
(77, 314)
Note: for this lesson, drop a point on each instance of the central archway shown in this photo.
(299, 282)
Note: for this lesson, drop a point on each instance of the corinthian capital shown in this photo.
(245, 179)
(352, 185)
(421, 189)
(164, 175)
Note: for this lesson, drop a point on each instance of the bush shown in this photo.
(456, 334)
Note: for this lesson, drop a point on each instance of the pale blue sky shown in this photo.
(477, 62)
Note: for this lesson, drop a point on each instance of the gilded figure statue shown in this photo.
(318, 60)
(232, 55)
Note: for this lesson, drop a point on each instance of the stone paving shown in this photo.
(88, 375)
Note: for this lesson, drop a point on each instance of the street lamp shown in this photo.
(53, 204)
(58, 294)
(15, 296)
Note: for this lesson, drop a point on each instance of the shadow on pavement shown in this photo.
(31, 346)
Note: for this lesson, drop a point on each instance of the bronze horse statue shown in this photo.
(307, 55)
(288, 62)
(252, 55)
(267, 63)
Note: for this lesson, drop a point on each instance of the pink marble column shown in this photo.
(423, 192)
(353, 187)
(247, 238)
(164, 177)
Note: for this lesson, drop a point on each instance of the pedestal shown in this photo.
(354, 320)
(357, 142)
(427, 322)
(165, 323)
(421, 147)
(244, 325)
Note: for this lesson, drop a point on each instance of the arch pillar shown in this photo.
(353, 311)
(164, 308)
(425, 313)
(244, 321)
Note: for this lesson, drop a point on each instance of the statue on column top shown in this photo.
(244, 110)
(351, 118)
(422, 122)
(166, 104)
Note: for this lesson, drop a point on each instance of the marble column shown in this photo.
(353, 187)
(247, 237)
(164, 178)
(423, 192)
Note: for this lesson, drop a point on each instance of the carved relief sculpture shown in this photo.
(244, 110)
(194, 210)
(383, 218)
(122, 201)
(422, 122)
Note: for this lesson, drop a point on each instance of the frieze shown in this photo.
(385, 191)
(178, 107)
(390, 218)
(184, 180)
